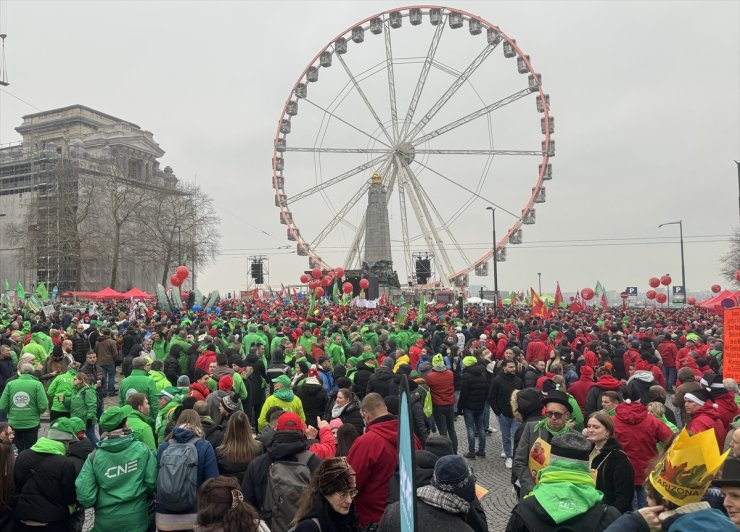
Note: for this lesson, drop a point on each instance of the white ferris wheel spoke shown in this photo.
(472, 116)
(391, 81)
(364, 97)
(404, 223)
(334, 180)
(339, 216)
(343, 121)
(423, 76)
(432, 151)
(322, 149)
(466, 189)
(427, 224)
(472, 67)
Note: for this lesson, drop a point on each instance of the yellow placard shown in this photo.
(539, 457)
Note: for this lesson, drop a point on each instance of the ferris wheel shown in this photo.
(447, 109)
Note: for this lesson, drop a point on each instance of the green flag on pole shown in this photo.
(335, 293)
(599, 289)
(20, 293)
(6, 285)
(42, 292)
(422, 308)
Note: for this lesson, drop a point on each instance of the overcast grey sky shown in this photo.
(645, 95)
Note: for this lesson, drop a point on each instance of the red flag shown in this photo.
(256, 294)
(513, 298)
(383, 300)
(604, 303)
(558, 296)
(538, 306)
(282, 291)
(499, 303)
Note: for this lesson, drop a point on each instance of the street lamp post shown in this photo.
(495, 258)
(539, 281)
(683, 266)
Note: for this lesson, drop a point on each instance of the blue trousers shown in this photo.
(508, 429)
(474, 426)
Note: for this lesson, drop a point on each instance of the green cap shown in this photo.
(282, 379)
(114, 416)
(62, 430)
(438, 360)
(170, 392)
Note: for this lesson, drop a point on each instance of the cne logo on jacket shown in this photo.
(117, 471)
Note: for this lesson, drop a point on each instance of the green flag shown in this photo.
(599, 289)
(20, 293)
(42, 292)
(422, 309)
(312, 304)
(6, 285)
(403, 314)
(335, 293)
(34, 304)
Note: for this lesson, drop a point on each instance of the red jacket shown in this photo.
(639, 432)
(325, 447)
(726, 408)
(374, 457)
(501, 347)
(536, 350)
(655, 370)
(541, 381)
(668, 352)
(579, 390)
(591, 358)
(442, 386)
(204, 360)
(706, 418)
(631, 358)
(415, 353)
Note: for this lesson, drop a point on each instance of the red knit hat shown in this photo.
(587, 371)
(226, 383)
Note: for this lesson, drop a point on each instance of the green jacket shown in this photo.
(116, 480)
(335, 351)
(160, 381)
(306, 342)
(252, 338)
(61, 386)
(36, 349)
(160, 349)
(84, 404)
(276, 341)
(142, 429)
(164, 417)
(24, 399)
(139, 382)
(45, 341)
(294, 405)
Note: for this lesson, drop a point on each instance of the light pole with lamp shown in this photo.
(495, 259)
(683, 267)
(539, 281)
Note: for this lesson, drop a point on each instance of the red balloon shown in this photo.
(666, 280)
(182, 272)
(326, 281)
(313, 285)
(316, 273)
(737, 275)
(654, 282)
(175, 280)
(319, 292)
(305, 278)
(691, 300)
(340, 272)
(650, 294)
(364, 283)
(716, 288)
(347, 288)
(661, 298)
(587, 294)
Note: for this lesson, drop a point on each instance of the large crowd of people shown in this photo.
(279, 416)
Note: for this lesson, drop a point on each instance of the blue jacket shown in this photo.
(207, 463)
(327, 381)
(706, 519)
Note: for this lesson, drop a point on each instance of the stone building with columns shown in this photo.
(52, 182)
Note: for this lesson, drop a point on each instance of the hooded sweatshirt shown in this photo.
(639, 433)
(705, 418)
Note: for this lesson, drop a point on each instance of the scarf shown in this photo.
(448, 502)
(543, 423)
(337, 410)
(566, 490)
(284, 394)
(118, 433)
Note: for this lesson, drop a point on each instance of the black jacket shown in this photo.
(234, 469)
(80, 347)
(7, 371)
(45, 484)
(473, 389)
(530, 516)
(351, 414)
(172, 368)
(259, 373)
(213, 432)
(314, 399)
(284, 447)
(499, 396)
(531, 376)
(362, 378)
(419, 419)
(380, 381)
(614, 476)
(78, 452)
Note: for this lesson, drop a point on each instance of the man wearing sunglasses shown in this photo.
(557, 416)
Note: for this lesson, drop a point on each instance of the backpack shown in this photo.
(177, 479)
(286, 482)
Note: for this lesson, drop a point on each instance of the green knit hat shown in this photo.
(62, 430)
(469, 361)
(77, 424)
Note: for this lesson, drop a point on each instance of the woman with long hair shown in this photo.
(7, 484)
(238, 447)
(346, 436)
(222, 508)
(347, 408)
(328, 502)
(614, 474)
(84, 404)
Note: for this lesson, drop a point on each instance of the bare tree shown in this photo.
(730, 261)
